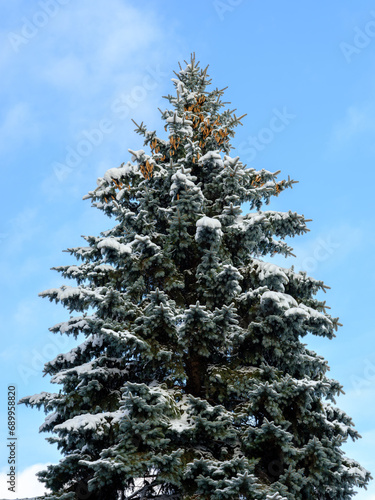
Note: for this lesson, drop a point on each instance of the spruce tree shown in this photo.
(192, 380)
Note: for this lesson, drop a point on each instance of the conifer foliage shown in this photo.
(192, 381)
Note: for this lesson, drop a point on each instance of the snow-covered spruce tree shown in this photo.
(192, 382)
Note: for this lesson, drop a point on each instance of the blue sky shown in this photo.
(73, 74)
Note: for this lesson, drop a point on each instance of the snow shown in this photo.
(270, 216)
(84, 252)
(177, 119)
(73, 269)
(69, 292)
(208, 222)
(124, 336)
(49, 420)
(248, 220)
(275, 496)
(190, 96)
(271, 274)
(71, 356)
(181, 422)
(291, 308)
(269, 270)
(79, 370)
(104, 267)
(179, 176)
(88, 368)
(180, 87)
(137, 155)
(269, 185)
(283, 300)
(296, 311)
(307, 383)
(231, 162)
(180, 179)
(189, 67)
(117, 173)
(307, 312)
(78, 323)
(110, 175)
(87, 421)
(65, 292)
(41, 398)
(113, 244)
(211, 155)
(355, 468)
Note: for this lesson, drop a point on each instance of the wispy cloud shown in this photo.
(359, 393)
(66, 72)
(90, 63)
(328, 248)
(23, 228)
(27, 313)
(91, 44)
(356, 121)
(17, 126)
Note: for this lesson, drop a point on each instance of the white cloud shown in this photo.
(27, 483)
(23, 228)
(17, 125)
(96, 62)
(90, 45)
(329, 248)
(10, 352)
(27, 313)
(357, 120)
(72, 68)
(66, 72)
(359, 396)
